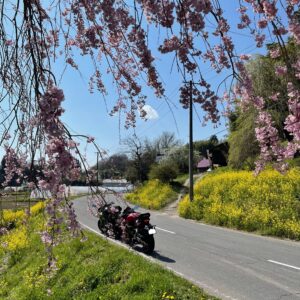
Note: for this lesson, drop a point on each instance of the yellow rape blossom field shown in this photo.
(11, 216)
(268, 203)
(152, 195)
(18, 237)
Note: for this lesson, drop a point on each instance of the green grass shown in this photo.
(75, 197)
(20, 199)
(15, 199)
(181, 178)
(94, 269)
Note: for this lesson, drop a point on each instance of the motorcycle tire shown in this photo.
(149, 244)
(101, 227)
(117, 233)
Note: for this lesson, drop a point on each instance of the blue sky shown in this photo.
(88, 114)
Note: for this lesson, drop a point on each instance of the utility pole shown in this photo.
(191, 150)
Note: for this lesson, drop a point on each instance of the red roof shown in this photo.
(204, 163)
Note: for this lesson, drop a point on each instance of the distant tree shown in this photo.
(202, 146)
(244, 147)
(16, 180)
(114, 166)
(218, 150)
(166, 140)
(220, 153)
(179, 156)
(2, 171)
(267, 85)
(135, 147)
(131, 173)
(143, 154)
(214, 139)
(165, 171)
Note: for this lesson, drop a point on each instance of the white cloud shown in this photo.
(151, 112)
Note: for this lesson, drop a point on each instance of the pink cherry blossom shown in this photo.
(280, 70)
(274, 53)
(263, 23)
(245, 56)
(90, 139)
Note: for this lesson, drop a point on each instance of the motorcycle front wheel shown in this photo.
(101, 226)
(148, 244)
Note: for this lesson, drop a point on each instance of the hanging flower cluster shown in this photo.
(292, 122)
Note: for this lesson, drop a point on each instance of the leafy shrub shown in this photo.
(153, 194)
(268, 203)
(165, 171)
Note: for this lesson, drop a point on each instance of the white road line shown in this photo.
(165, 230)
(282, 264)
(97, 232)
(154, 260)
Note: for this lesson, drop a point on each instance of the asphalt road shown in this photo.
(226, 263)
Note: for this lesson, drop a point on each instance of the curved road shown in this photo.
(226, 263)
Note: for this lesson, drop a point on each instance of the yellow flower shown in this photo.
(16, 239)
(268, 202)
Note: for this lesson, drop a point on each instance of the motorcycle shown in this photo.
(137, 229)
(109, 218)
(131, 227)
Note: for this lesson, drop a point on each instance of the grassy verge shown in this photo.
(181, 179)
(20, 200)
(74, 197)
(16, 195)
(153, 194)
(268, 203)
(94, 269)
(15, 199)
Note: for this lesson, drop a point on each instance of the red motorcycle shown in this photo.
(137, 229)
(131, 227)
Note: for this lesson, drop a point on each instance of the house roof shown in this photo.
(204, 163)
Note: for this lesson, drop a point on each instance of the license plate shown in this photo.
(152, 231)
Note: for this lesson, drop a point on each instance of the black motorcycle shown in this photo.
(109, 218)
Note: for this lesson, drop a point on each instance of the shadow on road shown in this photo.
(155, 255)
(160, 257)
